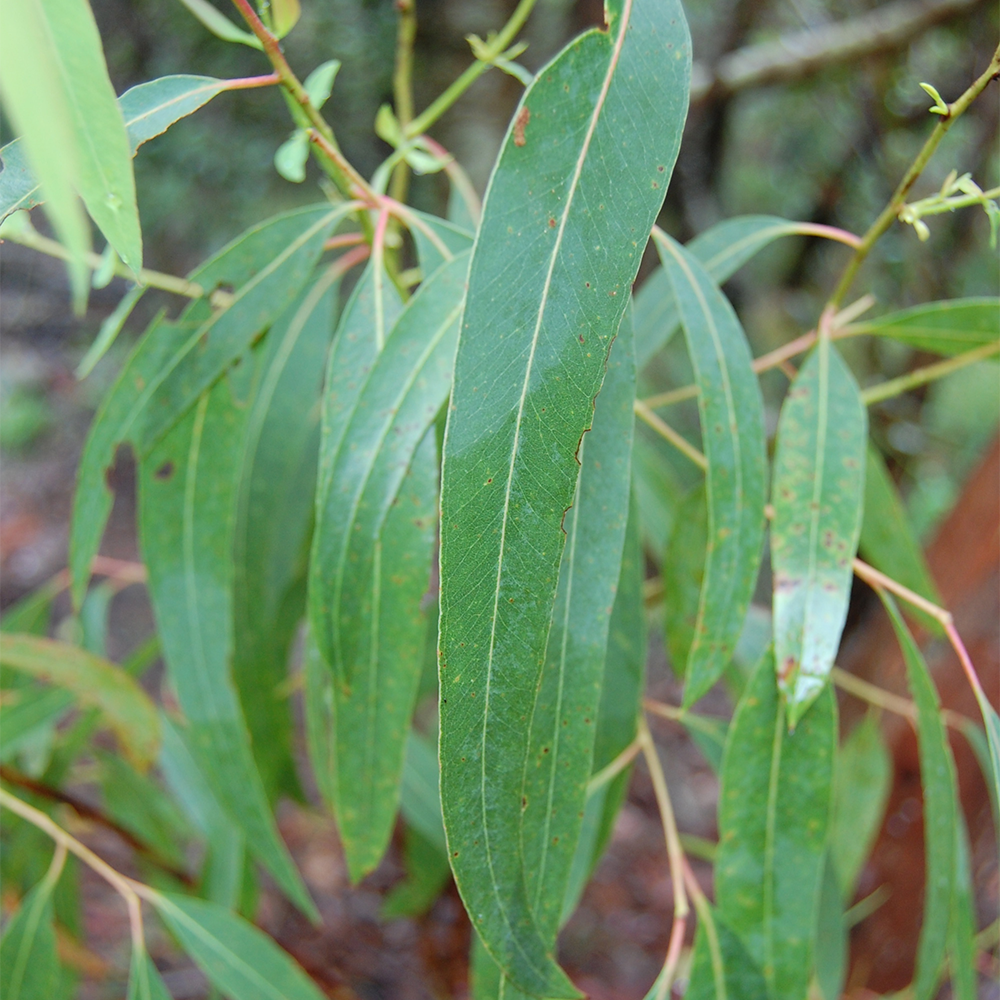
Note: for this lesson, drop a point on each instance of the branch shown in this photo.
(802, 53)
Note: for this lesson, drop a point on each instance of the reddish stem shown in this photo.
(249, 82)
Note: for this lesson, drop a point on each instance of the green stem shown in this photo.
(890, 212)
(496, 47)
(350, 183)
(929, 373)
(402, 87)
(950, 204)
(669, 434)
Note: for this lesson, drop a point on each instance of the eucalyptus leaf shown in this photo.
(566, 217)
(219, 24)
(144, 980)
(948, 327)
(28, 947)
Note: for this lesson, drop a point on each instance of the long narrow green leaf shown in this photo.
(962, 926)
(273, 521)
(565, 222)
(863, 783)
(437, 241)
(220, 25)
(731, 974)
(941, 327)
(165, 375)
(723, 250)
(421, 797)
(242, 962)
(93, 681)
(831, 935)
(148, 110)
(937, 775)
(186, 525)
(373, 705)
(818, 491)
(888, 541)
(104, 161)
(658, 493)
(565, 716)
(28, 947)
(683, 574)
(732, 421)
(394, 404)
(26, 711)
(774, 810)
(35, 99)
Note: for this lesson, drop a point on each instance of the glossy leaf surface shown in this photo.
(186, 525)
(566, 218)
(242, 962)
(818, 495)
(732, 421)
(774, 810)
(165, 375)
(940, 327)
(93, 681)
(937, 775)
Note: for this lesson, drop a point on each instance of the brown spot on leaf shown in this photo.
(165, 471)
(520, 124)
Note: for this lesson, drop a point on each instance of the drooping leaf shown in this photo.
(723, 250)
(962, 926)
(373, 703)
(395, 400)
(426, 873)
(887, 538)
(683, 573)
(109, 330)
(940, 327)
(186, 526)
(273, 521)
(863, 783)
(144, 980)
(831, 935)
(818, 495)
(165, 375)
(569, 207)
(658, 493)
(93, 681)
(148, 110)
(242, 962)
(732, 421)
(565, 715)
(724, 973)
(34, 96)
(774, 809)
(28, 947)
(937, 775)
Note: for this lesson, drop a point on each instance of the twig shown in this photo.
(459, 178)
(402, 87)
(669, 434)
(611, 771)
(675, 859)
(929, 373)
(250, 82)
(797, 55)
(888, 701)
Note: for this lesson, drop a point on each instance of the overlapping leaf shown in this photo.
(273, 521)
(144, 980)
(774, 809)
(683, 574)
(165, 375)
(722, 969)
(818, 499)
(28, 947)
(722, 250)
(239, 960)
(732, 421)
(940, 327)
(569, 207)
(93, 681)
(937, 775)
(186, 522)
(147, 109)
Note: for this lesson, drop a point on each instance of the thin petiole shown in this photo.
(929, 373)
(669, 434)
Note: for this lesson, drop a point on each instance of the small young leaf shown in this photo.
(291, 156)
(937, 774)
(940, 327)
(242, 962)
(284, 16)
(319, 83)
(863, 783)
(774, 809)
(93, 681)
(732, 420)
(818, 498)
(887, 538)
